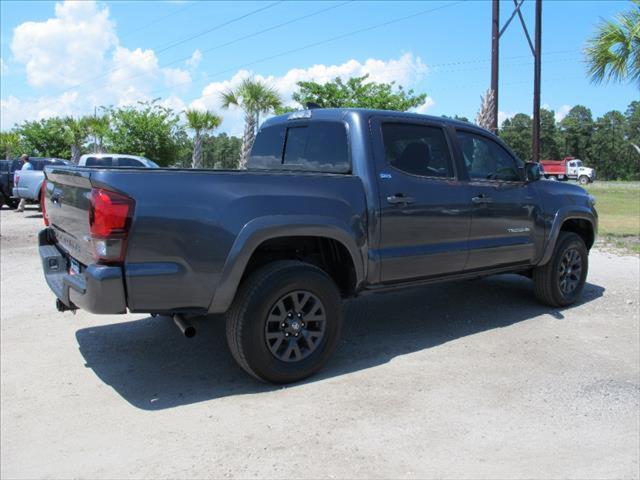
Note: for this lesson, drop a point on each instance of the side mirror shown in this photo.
(533, 171)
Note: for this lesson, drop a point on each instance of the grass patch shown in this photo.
(618, 206)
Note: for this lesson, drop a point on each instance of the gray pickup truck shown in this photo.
(336, 203)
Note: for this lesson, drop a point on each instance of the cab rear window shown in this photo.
(314, 147)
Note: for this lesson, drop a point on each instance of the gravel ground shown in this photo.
(463, 380)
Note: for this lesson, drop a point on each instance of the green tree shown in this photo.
(610, 152)
(44, 138)
(632, 115)
(613, 53)
(76, 132)
(147, 129)
(222, 151)
(10, 144)
(357, 92)
(98, 127)
(576, 130)
(516, 132)
(201, 122)
(549, 148)
(253, 97)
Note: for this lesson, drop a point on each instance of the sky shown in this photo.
(71, 58)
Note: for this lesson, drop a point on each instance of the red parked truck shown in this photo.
(568, 168)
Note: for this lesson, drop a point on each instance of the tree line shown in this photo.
(609, 143)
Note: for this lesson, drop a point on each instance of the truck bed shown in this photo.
(186, 222)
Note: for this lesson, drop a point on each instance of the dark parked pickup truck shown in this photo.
(336, 203)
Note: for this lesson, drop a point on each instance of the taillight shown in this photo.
(43, 193)
(109, 220)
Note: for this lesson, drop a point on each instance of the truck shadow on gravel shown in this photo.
(153, 367)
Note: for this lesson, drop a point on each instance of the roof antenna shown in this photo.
(312, 105)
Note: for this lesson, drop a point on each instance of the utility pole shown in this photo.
(495, 61)
(536, 82)
(496, 33)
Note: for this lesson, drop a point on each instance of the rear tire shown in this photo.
(268, 338)
(560, 282)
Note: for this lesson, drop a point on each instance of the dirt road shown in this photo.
(464, 380)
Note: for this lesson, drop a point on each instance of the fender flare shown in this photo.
(261, 229)
(561, 216)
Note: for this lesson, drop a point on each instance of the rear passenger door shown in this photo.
(506, 209)
(424, 208)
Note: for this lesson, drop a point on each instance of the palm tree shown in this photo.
(75, 134)
(485, 115)
(253, 97)
(98, 128)
(613, 53)
(200, 122)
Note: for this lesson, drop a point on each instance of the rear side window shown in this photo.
(316, 147)
(129, 162)
(99, 162)
(417, 149)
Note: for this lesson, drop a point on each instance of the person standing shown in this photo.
(26, 165)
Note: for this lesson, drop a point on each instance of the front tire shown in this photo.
(285, 322)
(560, 282)
(583, 180)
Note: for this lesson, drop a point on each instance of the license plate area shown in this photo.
(74, 266)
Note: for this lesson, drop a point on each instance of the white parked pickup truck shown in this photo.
(115, 160)
(28, 183)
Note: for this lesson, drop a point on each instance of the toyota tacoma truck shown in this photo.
(335, 203)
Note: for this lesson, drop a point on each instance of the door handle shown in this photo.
(399, 198)
(481, 199)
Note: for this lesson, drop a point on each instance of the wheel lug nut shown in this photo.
(283, 325)
(286, 334)
(290, 315)
(299, 315)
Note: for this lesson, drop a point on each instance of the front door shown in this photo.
(424, 209)
(505, 208)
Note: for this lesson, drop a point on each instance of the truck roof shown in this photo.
(364, 113)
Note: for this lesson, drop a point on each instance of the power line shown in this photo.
(112, 70)
(323, 42)
(157, 20)
(217, 27)
(179, 60)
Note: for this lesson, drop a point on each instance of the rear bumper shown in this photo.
(98, 289)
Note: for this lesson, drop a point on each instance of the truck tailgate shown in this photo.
(67, 204)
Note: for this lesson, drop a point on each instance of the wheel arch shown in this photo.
(581, 222)
(279, 230)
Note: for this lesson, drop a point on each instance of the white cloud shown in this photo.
(176, 77)
(422, 109)
(67, 49)
(502, 116)
(131, 77)
(194, 61)
(4, 69)
(562, 112)
(14, 110)
(405, 70)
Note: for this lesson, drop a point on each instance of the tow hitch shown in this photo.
(62, 307)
